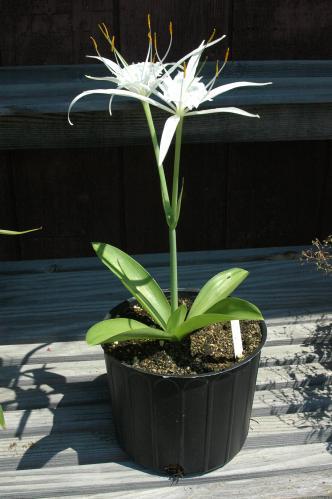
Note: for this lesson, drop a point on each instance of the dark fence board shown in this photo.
(202, 222)
(9, 246)
(193, 21)
(266, 193)
(275, 192)
(203, 219)
(50, 31)
(73, 194)
(55, 32)
(282, 29)
(144, 218)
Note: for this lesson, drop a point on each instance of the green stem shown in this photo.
(172, 230)
(176, 168)
(173, 269)
(163, 183)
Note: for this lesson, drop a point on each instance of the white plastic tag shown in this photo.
(237, 339)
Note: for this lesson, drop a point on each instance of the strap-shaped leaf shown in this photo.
(216, 289)
(17, 233)
(112, 330)
(242, 310)
(137, 280)
(236, 306)
(2, 418)
(176, 319)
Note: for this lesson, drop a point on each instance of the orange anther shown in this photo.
(212, 35)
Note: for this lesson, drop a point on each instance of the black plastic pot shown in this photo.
(197, 422)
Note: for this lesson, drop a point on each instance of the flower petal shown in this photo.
(234, 110)
(198, 50)
(115, 91)
(230, 86)
(193, 63)
(111, 65)
(167, 136)
(105, 78)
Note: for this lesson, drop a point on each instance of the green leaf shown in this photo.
(216, 289)
(176, 319)
(16, 233)
(2, 418)
(112, 330)
(137, 280)
(236, 306)
(231, 309)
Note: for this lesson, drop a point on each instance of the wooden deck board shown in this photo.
(286, 464)
(54, 389)
(296, 107)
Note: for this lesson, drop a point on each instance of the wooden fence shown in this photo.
(236, 195)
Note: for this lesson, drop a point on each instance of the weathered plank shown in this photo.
(57, 402)
(78, 351)
(63, 375)
(303, 398)
(243, 473)
(294, 108)
(85, 435)
(219, 257)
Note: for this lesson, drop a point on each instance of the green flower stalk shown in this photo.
(178, 90)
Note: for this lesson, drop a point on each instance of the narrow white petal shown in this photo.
(105, 78)
(167, 136)
(230, 86)
(196, 51)
(193, 63)
(115, 91)
(237, 339)
(234, 110)
(111, 65)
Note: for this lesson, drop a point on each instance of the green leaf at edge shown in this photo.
(137, 280)
(111, 330)
(2, 418)
(17, 233)
(217, 288)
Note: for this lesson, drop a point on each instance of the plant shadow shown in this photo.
(80, 412)
(311, 397)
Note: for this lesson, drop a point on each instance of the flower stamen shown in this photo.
(212, 35)
(95, 45)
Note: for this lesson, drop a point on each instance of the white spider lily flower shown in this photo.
(139, 80)
(186, 92)
(140, 77)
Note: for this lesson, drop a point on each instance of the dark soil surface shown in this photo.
(209, 349)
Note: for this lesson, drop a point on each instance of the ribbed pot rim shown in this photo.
(192, 376)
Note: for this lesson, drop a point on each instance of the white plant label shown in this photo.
(237, 339)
